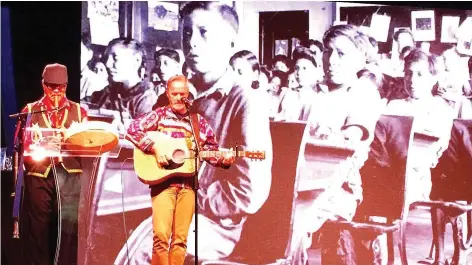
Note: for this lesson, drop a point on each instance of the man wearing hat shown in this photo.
(52, 186)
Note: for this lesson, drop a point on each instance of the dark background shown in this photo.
(41, 33)
(49, 32)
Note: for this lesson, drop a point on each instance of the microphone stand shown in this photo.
(24, 118)
(24, 114)
(195, 179)
(18, 147)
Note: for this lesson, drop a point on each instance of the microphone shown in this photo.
(187, 101)
(21, 114)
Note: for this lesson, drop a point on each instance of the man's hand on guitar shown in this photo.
(228, 159)
(163, 160)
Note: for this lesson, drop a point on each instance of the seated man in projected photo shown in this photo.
(354, 106)
(127, 96)
(226, 197)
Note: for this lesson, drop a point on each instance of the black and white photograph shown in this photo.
(423, 25)
(467, 44)
(329, 143)
(464, 36)
(379, 27)
(264, 132)
(163, 16)
(449, 29)
(281, 47)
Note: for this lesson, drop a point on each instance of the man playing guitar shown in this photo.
(173, 201)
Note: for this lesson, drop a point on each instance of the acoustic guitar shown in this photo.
(182, 160)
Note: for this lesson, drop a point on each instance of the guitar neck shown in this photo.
(209, 154)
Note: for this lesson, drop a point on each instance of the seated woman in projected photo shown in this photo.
(344, 109)
(226, 197)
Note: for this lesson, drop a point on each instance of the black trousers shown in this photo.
(51, 209)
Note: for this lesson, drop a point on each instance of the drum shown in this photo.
(91, 138)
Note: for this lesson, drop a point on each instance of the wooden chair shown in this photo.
(384, 189)
(451, 196)
(266, 233)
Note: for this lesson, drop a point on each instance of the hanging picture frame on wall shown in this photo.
(379, 27)
(163, 15)
(464, 37)
(423, 25)
(449, 27)
(295, 43)
(103, 20)
(281, 47)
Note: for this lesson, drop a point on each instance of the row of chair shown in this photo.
(266, 233)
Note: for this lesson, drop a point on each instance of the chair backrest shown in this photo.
(265, 234)
(384, 172)
(452, 176)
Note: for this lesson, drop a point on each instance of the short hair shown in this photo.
(128, 43)
(403, 31)
(405, 51)
(351, 32)
(418, 55)
(171, 53)
(226, 12)
(372, 50)
(373, 42)
(281, 58)
(248, 56)
(317, 43)
(304, 53)
(177, 78)
(364, 73)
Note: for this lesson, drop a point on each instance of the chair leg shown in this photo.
(391, 249)
(402, 244)
(438, 224)
(459, 256)
(431, 251)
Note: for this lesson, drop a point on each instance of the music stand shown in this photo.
(47, 143)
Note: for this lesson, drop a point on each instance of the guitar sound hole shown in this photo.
(178, 156)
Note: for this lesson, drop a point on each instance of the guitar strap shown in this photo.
(196, 127)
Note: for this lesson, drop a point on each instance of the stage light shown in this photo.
(38, 154)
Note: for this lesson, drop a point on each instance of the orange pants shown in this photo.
(172, 211)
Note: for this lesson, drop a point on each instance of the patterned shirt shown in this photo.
(165, 120)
